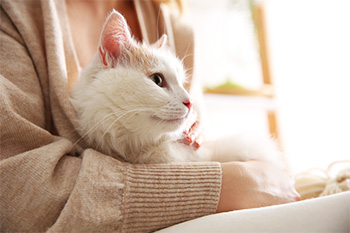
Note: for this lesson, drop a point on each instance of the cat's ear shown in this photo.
(115, 38)
(161, 42)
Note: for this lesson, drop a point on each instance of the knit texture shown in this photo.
(150, 188)
(49, 178)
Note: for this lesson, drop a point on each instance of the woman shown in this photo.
(47, 185)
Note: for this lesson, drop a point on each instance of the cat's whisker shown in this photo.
(186, 52)
(133, 111)
(131, 115)
(114, 121)
(187, 55)
(141, 110)
(190, 69)
(107, 130)
(91, 129)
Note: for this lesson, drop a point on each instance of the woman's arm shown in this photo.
(44, 186)
(254, 184)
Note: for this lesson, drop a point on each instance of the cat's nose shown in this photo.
(188, 103)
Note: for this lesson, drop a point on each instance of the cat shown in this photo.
(131, 103)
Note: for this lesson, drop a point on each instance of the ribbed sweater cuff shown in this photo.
(161, 195)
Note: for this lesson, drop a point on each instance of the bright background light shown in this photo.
(309, 43)
(309, 46)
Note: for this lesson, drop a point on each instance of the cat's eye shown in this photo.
(157, 79)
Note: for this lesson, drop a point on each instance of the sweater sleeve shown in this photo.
(45, 187)
(110, 196)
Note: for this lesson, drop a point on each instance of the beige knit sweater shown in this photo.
(50, 184)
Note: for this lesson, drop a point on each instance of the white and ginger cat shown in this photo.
(131, 103)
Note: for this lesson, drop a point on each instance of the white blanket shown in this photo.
(329, 214)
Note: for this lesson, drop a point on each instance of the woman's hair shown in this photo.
(177, 3)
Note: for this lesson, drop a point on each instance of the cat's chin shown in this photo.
(170, 120)
(172, 124)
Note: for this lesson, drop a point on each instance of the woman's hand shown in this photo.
(254, 184)
(192, 135)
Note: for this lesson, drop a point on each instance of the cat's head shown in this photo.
(131, 88)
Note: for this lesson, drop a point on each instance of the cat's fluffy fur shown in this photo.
(123, 112)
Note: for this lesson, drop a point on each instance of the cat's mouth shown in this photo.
(171, 120)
